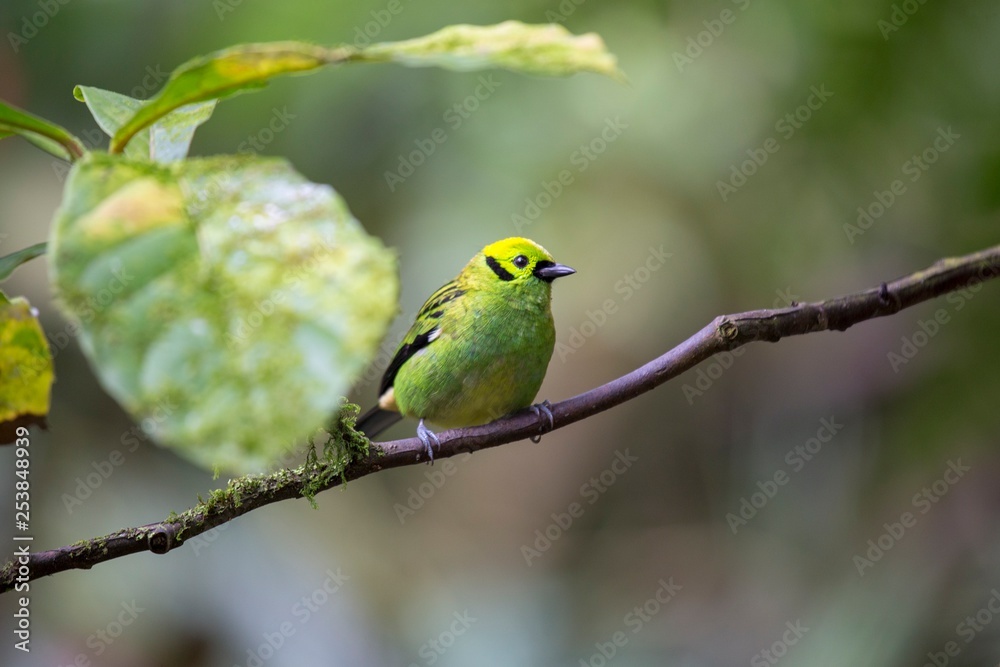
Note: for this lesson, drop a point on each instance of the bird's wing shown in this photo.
(425, 329)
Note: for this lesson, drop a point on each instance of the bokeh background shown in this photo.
(842, 98)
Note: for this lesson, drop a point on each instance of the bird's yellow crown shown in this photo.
(512, 247)
(513, 259)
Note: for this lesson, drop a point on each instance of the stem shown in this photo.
(726, 332)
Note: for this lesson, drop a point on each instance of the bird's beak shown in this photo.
(549, 271)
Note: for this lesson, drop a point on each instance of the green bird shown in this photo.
(479, 346)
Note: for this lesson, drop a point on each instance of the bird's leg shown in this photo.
(429, 439)
(543, 408)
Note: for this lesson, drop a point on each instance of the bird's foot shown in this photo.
(543, 409)
(429, 439)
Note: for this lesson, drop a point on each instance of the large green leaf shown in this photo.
(25, 368)
(536, 49)
(220, 75)
(47, 136)
(227, 303)
(167, 140)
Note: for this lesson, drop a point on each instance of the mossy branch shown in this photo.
(346, 455)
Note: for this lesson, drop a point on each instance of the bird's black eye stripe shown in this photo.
(502, 273)
(520, 261)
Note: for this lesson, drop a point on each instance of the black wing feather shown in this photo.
(404, 352)
(416, 339)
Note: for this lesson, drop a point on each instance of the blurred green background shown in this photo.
(804, 112)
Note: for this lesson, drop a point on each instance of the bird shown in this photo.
(478, 348)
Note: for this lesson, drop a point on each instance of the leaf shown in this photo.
(50, 146)
(537, 49)
(111, 110)
(227, 303)
(166, 141)
(25, 368)
(222, 74)
(16, 259)
(47, 136)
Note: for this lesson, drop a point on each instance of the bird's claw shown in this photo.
(429, 439)
(543, 408)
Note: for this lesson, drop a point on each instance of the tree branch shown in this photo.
(727, 332)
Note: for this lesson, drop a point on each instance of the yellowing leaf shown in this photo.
(137, 207)
(25, 368)
(222, 74)
(538, 49)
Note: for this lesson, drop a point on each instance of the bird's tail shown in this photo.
(376, 420)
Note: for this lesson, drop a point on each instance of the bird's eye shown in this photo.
(520, 261)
